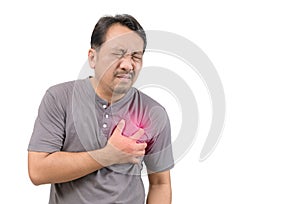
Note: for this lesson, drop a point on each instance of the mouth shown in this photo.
(124, 77)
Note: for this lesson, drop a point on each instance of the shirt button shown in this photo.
(104, 125)
(106, 115)
(104, 106)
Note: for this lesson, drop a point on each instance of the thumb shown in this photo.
(120, 126)
(138, 134)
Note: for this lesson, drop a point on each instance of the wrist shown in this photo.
(102, 156)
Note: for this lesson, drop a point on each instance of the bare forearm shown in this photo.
(159, 194)
(61, 167)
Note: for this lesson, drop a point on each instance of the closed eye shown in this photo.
(118, 54)
(137, 56)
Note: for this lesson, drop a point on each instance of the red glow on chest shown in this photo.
(132, 125)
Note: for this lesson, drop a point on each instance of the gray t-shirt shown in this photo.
(73, 118)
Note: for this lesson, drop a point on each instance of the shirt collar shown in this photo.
(119, 103)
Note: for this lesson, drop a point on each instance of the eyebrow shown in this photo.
(125, 50)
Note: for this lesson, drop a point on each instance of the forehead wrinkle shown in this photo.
(128, 41)
(123, 49)
(123, 45)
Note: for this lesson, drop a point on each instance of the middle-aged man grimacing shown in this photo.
(102, 163)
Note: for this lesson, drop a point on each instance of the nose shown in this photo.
(126, 63)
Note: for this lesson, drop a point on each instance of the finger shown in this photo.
(140, 153)
(135, 160)
(120, 126)
(138, 134)
(140, 146)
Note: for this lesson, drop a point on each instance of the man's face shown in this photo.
(119, 60)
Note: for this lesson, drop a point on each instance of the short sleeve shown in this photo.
(159, 155)
(49, 128)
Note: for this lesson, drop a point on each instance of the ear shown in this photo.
(92, 57)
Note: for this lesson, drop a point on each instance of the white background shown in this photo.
(254, 46)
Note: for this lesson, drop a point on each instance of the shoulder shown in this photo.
(62, 88)
(145, 99)
(61, 94)
(150, 108)
(66, 89)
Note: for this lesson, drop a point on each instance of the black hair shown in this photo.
(104, 23)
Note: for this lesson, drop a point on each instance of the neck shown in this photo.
(107, 95)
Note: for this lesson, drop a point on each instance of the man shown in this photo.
(92, 135)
